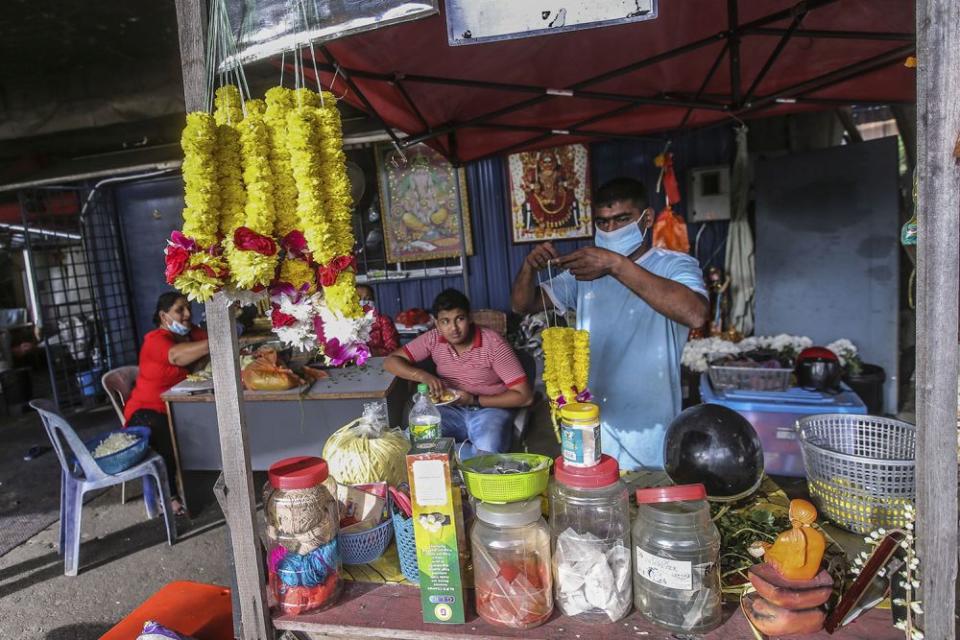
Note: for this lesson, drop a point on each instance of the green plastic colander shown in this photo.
(502, 488)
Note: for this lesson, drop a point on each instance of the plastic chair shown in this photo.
(83, 475)
(118, 383)
(521, 422)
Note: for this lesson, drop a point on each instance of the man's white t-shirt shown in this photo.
(634, 355)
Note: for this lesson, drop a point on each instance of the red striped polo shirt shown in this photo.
(488, 368)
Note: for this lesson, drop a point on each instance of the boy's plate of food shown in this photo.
(447, 397)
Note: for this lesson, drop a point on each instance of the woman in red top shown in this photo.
(167, 353)
(384, 338)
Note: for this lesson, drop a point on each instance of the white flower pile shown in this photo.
(113, 443)
(844, 349)
(302, 334)
(780, 343)
(697, 354)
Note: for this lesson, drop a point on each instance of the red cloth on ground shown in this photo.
(156, 374)
(384, 338)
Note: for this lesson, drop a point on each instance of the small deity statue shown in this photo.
(790, 587)
(796, 554)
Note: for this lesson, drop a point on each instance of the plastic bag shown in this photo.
(155, 631)
(265, 374)
(670, 232)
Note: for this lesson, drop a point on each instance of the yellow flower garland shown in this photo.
(338, 202)
(251, 269)
(201, 213)
(202, 278)
(303, 143)
(338, 206)
(233, 197)
(324, 206)
(566, 366)
(298, 273)
(204, 271)
(581, 360)
(280, 101)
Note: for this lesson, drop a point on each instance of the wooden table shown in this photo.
(280, 424)
(393, 612)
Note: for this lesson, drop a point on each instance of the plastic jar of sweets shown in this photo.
(590, 533)
(676, 580)
(511, 564)
(302, 525)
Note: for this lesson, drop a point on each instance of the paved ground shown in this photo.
(124, 557)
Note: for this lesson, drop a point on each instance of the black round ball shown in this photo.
(716, 446)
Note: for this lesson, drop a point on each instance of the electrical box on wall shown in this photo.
(709, 194)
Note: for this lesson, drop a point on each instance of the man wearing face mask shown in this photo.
(638, 303)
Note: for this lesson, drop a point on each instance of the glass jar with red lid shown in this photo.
(676, 579)
(590, 534)
(303, 561)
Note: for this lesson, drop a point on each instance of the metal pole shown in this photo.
(733, 20)
(938, 280)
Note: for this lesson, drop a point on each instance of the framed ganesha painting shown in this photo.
(550, 194)
(423, 198)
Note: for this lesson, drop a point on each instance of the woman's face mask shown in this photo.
(178, 328)
(366, 302)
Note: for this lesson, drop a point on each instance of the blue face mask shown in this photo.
(178, 328)
(624, 241)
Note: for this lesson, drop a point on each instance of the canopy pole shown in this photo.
(733, 20)
(240, 508)
(938, 277)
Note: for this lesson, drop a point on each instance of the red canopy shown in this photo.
(631, 80)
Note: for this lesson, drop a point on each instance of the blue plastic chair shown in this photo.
(77, 478)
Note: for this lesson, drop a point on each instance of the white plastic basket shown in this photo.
(860, 469)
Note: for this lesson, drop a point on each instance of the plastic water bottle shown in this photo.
(424, 417)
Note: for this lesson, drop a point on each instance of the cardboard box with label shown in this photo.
(438, 529)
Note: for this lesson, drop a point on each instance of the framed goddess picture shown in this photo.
(550, 194)
(423, 197)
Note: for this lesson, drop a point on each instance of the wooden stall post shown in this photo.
(938, 274)
(228, 393)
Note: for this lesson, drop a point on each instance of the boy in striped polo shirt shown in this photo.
(474, 361)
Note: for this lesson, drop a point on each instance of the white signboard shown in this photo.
(263, 28)
(473, 21)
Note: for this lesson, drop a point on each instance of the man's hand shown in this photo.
(466, 399)
(541, 254)
(590, 263)
(432, 381)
